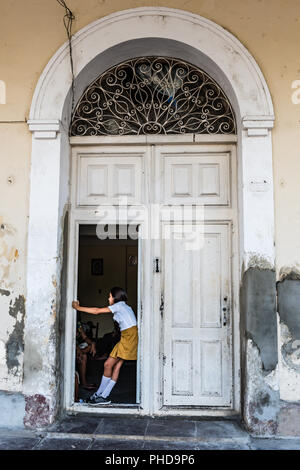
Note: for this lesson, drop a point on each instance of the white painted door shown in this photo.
(195, 283)
(186, 350)
(196, 336)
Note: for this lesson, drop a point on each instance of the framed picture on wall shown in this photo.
(132, 260)
(97, 266)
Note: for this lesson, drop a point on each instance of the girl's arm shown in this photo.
(92, 310)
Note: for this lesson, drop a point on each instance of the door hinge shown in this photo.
(161, 307)
(164, 359)
(225, 310)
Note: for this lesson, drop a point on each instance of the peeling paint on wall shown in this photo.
(258, 298)
(4, 292)
(289, 314)
(260, 349)
(290, 348)
(261, 395)
(259, 262)
(289, 419)
(15, 342)
(288, 290)
(289, 273)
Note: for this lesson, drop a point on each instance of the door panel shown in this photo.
(196, 178)
(103, 178)
(196, 344)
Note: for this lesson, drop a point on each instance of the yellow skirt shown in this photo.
(126, 348)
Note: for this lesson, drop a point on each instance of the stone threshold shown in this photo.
(133, 437)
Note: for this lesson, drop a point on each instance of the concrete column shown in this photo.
(48, 197)
(260, 382)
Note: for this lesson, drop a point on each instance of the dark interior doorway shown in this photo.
(103, 264)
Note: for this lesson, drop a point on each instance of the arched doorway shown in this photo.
(203, 44)
(175, 186)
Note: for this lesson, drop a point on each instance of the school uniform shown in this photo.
(126, 348)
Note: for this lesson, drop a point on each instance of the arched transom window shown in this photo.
(153, 95)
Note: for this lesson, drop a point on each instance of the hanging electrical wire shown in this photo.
(68, 21)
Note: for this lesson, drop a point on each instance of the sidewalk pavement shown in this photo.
(85, 432)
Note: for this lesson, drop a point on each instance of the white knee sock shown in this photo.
(104, 382)
(108, 388)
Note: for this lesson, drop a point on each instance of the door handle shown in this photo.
(161, 307)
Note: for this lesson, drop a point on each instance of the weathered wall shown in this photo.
(288, 288)
(260, 351)
(27, 47)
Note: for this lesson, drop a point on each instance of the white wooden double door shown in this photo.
(192, 185)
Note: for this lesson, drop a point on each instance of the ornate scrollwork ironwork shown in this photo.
(153, 95)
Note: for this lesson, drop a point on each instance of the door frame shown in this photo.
(149, 373)
(88, 215)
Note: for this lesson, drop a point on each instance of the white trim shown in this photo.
(44, 129)
(153, 139)
(136, 410)
(258, 125)
(149, 369)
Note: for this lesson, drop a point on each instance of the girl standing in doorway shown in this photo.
(126, 348)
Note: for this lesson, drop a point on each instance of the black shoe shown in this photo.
(91, 398)
(98, 401)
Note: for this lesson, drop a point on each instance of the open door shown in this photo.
(103, 264)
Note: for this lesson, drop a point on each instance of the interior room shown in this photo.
(102, 264)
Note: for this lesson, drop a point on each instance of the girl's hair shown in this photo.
(118, 294)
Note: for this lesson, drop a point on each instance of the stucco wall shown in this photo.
(32, 31)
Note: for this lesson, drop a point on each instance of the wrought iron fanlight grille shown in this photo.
(153, 95)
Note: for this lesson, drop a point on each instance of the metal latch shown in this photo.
(225, 311)
(157, 265)
(161, 308)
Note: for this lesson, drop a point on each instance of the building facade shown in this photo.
(218, 322)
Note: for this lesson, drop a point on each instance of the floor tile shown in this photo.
(77, 424)
(170, 445)
(63, 444)
(215, 428)
(223, 446)
(128, 426)
(177, 428)
(114, 444)
(274, 444)
(18, 443)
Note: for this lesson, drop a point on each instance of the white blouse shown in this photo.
(123, 314)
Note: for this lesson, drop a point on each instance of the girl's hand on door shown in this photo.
(75, 304)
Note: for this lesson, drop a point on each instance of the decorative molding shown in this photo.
(44, 129)
(153, 95)
(258, 125)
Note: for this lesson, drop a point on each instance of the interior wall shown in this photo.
(93, 290)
